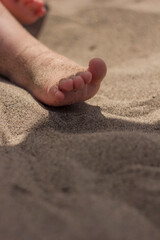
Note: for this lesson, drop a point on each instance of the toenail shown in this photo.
(79, 73)
(53, 89)
(72, 77)
(62, 80)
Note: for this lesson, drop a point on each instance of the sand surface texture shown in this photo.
(90, 171)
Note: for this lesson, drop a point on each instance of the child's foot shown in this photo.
(26, 11)
(56, 80)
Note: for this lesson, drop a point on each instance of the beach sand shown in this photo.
(90, 171)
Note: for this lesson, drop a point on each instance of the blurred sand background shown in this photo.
(90, 171)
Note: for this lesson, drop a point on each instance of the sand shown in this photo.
(90, 171)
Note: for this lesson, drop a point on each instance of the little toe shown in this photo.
(78, 83)
(66, 85)
(57, 95)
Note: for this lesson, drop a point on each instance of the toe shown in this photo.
(35, 5)
(40, 12)
(98, 69)
(87, 76)
(78, 83)
(66, 85)
(56, 94)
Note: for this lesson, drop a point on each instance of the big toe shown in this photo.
(98, 69)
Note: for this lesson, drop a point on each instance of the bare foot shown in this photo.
(26, 11)
(51, 78)
(56, 80)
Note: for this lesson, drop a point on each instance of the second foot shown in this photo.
(25, 11)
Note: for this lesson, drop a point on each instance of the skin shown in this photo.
(51, 78)
(26, 11)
